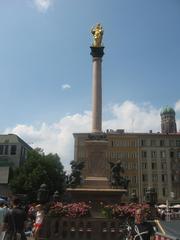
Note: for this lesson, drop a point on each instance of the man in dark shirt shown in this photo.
(14, 221)
(141, 230)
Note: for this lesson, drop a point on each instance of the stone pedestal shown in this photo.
(96, 196)
(96, 182)
(96, 187)
(96, 165)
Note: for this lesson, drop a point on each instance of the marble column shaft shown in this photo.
(97, 96)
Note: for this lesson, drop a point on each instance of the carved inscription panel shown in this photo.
(96, 159)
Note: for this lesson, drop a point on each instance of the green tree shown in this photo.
(38, 169)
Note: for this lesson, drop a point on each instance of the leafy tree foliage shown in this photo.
(38, 169)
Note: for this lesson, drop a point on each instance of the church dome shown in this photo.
(167, 110)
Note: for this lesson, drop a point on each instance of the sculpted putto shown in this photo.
(97, 33)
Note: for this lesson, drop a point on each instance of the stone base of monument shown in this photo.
(104, 195)
(96, 182)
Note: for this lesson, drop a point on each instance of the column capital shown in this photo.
(97, 51)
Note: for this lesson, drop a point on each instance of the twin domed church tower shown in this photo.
(168, 121)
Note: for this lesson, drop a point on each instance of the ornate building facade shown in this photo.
(149, 160)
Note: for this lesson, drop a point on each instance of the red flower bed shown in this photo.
(81, 209)
(73, 210)
(119, 211)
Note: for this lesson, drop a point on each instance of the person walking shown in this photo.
(141, 230)
(14, 222)
(38, 221)
(2, 214)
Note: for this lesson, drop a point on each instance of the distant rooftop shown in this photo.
(13, 138)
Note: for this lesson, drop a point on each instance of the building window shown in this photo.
(154, 178)
(178, 154)
(171, 143)
(162, 143)
(144, 154)
(6, 150)
(125, 165)
(143, 142)
(1, 149)
(144, 191)
(177, 143)
(153, 165)
(144, 178)
(164, 178)
(164, 192)
(132, 166)
(133, 155)
(171, 154)
(144, 165)
(153, 154)
(13, 149)
(25, 154)
(153, 143)
(163, 166)
(134, 179)
(132, 143)
(162, 154)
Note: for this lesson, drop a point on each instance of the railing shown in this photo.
(174, 216)
(84, 229)
(89, 229)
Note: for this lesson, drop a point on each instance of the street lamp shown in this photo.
(133, 198)
(168, 214)
(42, 194)
(151, 196)
(151, 199)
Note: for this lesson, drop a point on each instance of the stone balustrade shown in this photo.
(84, 229)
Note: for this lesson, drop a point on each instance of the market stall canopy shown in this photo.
(176, 206)
(162, 206)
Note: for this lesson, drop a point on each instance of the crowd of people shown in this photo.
(19, 222)
(170, 213)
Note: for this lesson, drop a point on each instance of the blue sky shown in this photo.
(46, 68)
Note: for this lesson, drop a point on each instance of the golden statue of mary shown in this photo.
(97, 33)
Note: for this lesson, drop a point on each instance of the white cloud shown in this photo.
(134, 118)
(177, 106)
(43, 5)
(58, 138)
(65, 86)
(55, 138)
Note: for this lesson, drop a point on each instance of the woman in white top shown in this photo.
(38, 220)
